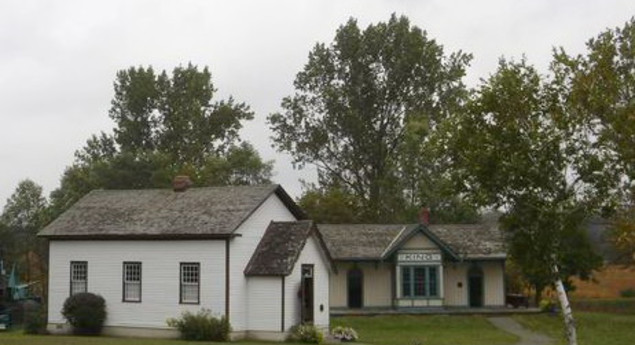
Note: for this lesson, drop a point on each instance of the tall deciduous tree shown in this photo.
(598, 90)
(509, 150)
(355, 101)
(164, 125)
(24, 214)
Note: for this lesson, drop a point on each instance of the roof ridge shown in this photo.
(393, 240)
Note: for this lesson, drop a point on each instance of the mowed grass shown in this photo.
(593, 328)
(17, 338)
(376, 330)
(425, 330)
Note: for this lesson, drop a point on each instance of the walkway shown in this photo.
(527, 337)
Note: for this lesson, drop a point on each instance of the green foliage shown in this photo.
(345, 334)
(508, 150)
(86, 312)
(628, 293)
(331, 206)
(622, 235)
(25, 213)
(357, 103)
(34, 318)
(166, 125)
(306, 333)
(547, 305)
(202, 326)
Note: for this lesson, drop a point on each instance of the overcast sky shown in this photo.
(58, 59)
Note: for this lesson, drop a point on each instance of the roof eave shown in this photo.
(162, 237)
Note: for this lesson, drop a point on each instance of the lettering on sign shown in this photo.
(418, 257)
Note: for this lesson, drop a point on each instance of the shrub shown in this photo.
(547, 305)
(34, 318)
(201, 326)
(86, 312)
(306, 333)
(344, 334)
(628, 293)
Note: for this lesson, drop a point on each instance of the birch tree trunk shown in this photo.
(569, 322)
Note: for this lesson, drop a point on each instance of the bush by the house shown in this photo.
(344, 333)
(34, 318)
(86, 312)
(201, 326)
(628, 293)
(306, 333)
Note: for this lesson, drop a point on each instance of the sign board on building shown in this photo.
(419, 257)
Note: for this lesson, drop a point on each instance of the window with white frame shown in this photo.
(79, 277)
(190, 283)
(132, 282)
(419, 281)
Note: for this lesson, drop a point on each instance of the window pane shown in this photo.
(132, 281)
(79, 277)
(420, 281)
(190, 282)
(432, 279)
(405, 282)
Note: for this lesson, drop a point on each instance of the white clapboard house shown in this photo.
(245, 252)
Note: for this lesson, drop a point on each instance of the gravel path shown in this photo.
(527, 337)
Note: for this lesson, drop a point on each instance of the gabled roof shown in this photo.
(409, 232)
(378, 242)
(280, 248)
(209, 212)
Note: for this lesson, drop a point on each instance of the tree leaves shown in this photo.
(354, 100)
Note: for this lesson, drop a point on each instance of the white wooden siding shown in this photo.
(338, 295)
(377, 281)
(455, 274)
(311, 254)
(241, 250)
(265, 303)
(160, 277)
(494, 284)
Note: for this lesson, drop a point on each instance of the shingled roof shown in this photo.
(472, 241)
(207, 212)
(280, 248)
(378, 242)
(359, 241)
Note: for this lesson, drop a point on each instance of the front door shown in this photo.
(355, 279)
(475, 286)
(307, 294)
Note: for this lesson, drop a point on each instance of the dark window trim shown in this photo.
(181, 264)
(123, 281)
(427, 294)
(70, 277)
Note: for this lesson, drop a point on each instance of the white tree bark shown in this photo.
(569, 322)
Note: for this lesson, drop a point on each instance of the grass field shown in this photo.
(425, 330)
(593, 328)
(393, 330)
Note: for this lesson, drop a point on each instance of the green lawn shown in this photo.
(377, 330)
(17, 338)
(593, 328)
(425, 330)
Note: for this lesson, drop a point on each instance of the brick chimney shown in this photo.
(181, 183)
(424, 216)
